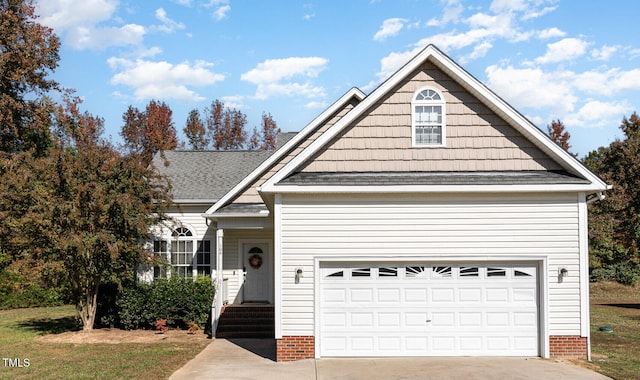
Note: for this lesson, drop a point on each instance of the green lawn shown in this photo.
(616, 354)
(20, 329)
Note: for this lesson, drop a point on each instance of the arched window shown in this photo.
(182, 252)
(187, 255)
(428, 118)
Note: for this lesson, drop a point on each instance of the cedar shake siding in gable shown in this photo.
(476, 138)
(250, 195)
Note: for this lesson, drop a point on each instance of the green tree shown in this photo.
(84, 206)
(614, 223)
(28, 54)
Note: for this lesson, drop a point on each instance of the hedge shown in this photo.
(139, 305)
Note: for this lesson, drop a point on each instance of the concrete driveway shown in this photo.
(255, 359)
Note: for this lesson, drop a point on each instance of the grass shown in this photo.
(616, 354)
(20, 329)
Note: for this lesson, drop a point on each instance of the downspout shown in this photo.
(600, 196)
(596, 197)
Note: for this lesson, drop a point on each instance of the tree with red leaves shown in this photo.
(265, 139)
(28, 54)
(146, 133)
(225, 127)
(559, 134)
(195, 131)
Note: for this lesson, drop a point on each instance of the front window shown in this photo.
(203, 258)
(187, 256)
(428, 118)
(160, 251)
(182, 257)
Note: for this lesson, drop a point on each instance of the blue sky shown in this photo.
(577, 61)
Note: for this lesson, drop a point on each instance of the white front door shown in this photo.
(257, 272)
(427, 309)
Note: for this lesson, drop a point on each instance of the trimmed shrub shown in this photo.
(32, 296)
(179, 301)
(627, 273)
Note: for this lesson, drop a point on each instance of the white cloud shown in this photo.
(538, 13)
(234, 101)
(309, 12)
(452, 11)
(168, 25)
(533, 88)
(390, 27)
(220, 13)
(597, 113)
(77, 22)
(63, 15)
(274, 77)
(551, 33)
(563, 50)
(163, 80)
(478, 51)
(317, 105)
(505, 6)
(101, 38)
(604, 53)
(391, 63)
(609, 82)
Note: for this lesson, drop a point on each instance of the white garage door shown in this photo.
(422, 309)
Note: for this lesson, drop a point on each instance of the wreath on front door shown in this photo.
(255, 261)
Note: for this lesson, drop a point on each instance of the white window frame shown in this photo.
(427, 102)
(187, 236)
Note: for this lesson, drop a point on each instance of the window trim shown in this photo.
(441, 103)
(184, 233)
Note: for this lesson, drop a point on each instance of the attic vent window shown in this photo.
(428, 118)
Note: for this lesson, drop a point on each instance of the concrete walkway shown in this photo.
(253, 359)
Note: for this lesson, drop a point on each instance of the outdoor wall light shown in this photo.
(563, 272)
(298, 275)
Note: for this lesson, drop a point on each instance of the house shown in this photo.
(428, 218)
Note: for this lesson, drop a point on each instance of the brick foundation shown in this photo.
(574, 347)
(291, 348)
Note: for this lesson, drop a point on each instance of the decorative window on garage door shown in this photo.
(434, 271)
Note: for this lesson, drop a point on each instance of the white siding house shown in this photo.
(426, 218)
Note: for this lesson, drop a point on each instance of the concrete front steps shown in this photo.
(246, 321)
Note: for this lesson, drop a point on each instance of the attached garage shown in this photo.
(429, 309)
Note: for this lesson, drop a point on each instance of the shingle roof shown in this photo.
(434, 178)
(206, 175)
(242, 208)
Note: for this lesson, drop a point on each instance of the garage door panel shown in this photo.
(470, 319)
(498, 295)
(418, 296)
(428, 310)
(469, 295)
(390, 296)
(442, 319)
(390, 319)
(334, 296)
(361, 295)
(364, 319)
